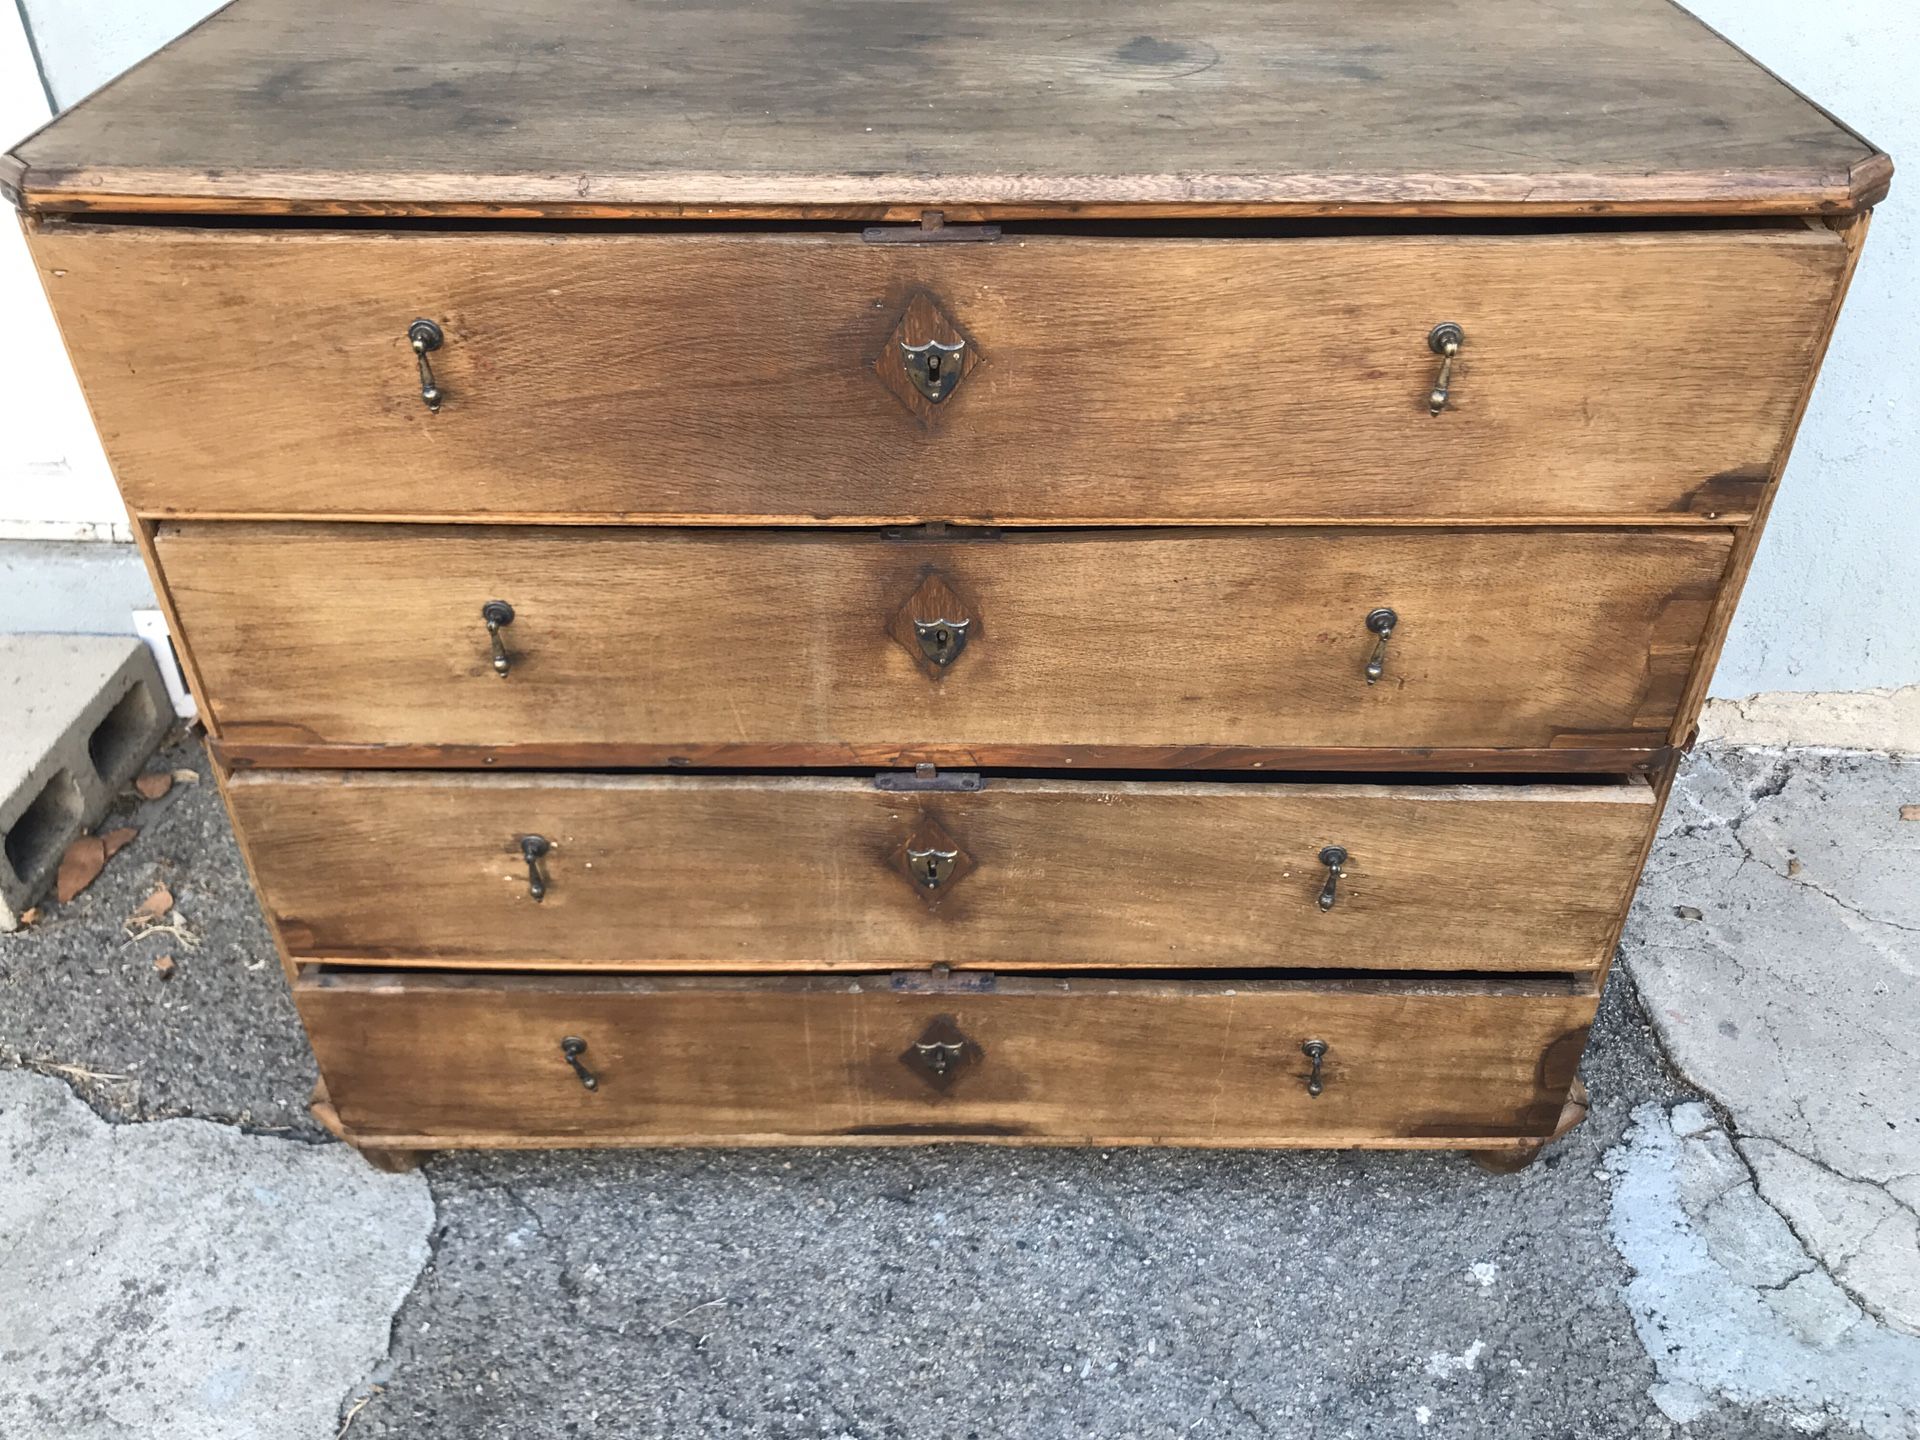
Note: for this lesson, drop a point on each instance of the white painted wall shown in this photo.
(1831, 601)
(54, 481)
(85, 43)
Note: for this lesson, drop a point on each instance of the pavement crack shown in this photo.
(523, 1204)
(1830, 1268)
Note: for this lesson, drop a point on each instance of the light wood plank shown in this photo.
(425, 1060)
(364, 635)
(743, 874)
(1604, 376)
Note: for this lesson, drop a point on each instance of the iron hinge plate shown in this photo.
(928, 777)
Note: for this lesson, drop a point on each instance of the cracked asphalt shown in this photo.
(1035, 1293)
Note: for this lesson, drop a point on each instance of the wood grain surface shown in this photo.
(608, 106)
(752, 873)
(372, 635)
(452, 1059)
(750, 378)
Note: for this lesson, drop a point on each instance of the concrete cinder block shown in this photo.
(79, 714)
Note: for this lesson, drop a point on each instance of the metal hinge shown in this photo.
(939, 531)
(932, 230)
(940, 980)
(928, 777)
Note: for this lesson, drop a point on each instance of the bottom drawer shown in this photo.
(423, 1060)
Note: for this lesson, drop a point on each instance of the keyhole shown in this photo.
(933, 366)
(942, 639)
(933, 872)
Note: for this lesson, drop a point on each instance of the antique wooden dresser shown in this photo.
(873, 571)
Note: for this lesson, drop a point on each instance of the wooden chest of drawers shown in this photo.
(869, 572)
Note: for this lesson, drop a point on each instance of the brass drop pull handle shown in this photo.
(1334, 857)
(426, 337)
(498, 614)
(533, 849)
(1445, 341)
(1316, 1051)
(1381, 623)
(573, 1047)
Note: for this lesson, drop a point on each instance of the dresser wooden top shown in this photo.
(879, 108)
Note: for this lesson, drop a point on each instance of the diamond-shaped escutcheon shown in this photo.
(935, 625)
(926, 359)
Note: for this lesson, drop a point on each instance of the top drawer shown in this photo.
(766, 377)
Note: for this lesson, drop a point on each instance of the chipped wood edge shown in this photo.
(736, 520)
(20, 197)
(1633, 792)
(499, 1140)
(240, 755)
(13, 180)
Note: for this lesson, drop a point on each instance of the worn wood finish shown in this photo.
(1512, 1161)
(459, 1059)
(1502, 105)
(1190, 638)
(1610, 376)
(751, 873)
(1852, 233)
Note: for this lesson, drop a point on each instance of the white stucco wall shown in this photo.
(1827, 609)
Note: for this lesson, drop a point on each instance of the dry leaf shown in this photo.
(156, 904)
(163, 966)
(79, 867)
(154, 785)
(28, 916)
(1794, 867)
(1910, 812)
(118, 840)
(187, 777)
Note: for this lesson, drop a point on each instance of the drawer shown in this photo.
(1606, 375)
(460, 1060)
(802, 647)
(738, 873)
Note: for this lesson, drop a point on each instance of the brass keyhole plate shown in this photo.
(941, 1053)
(931, 861)
(935, 625)
(926, 358)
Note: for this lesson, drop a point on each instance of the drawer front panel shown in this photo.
(805, 874)
(454, 1058)
(1602, 376)
(374, 636)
